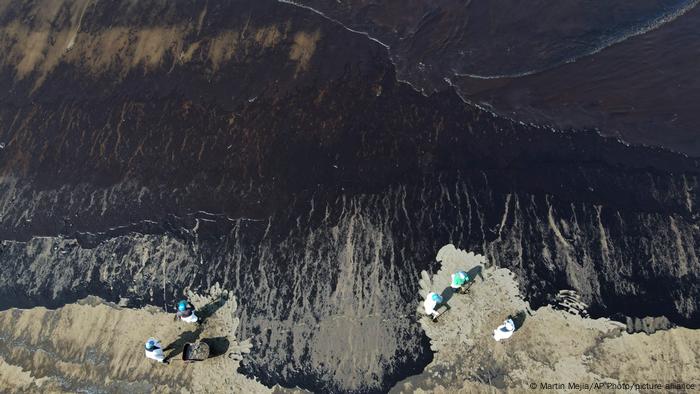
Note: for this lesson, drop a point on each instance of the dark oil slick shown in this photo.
(153, 146)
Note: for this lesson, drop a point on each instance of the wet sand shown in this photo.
(550, 347)
(97, 346)
(261, 146)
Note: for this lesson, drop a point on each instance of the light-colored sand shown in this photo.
(97, 346)
(551, 346)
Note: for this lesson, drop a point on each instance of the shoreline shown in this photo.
(97, 345)
(551, 347)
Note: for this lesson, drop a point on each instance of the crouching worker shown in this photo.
(432, 301)
(185, 311)
(154, 350)
(505, 330)
(461, 282)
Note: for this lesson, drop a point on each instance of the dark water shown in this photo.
(319, 201)
(624, 69)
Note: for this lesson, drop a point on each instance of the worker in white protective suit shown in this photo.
(505, 330)
(432, 300)
(154, 350)
(185, 312)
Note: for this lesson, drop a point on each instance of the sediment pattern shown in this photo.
(549, 349)
(296, 171)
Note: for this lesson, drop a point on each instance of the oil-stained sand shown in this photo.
(56, 36)
(185, 140)
(550, 347)
(97, 346)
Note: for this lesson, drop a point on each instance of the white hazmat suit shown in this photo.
(154, 350)
(430, 304)
(505, 330)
